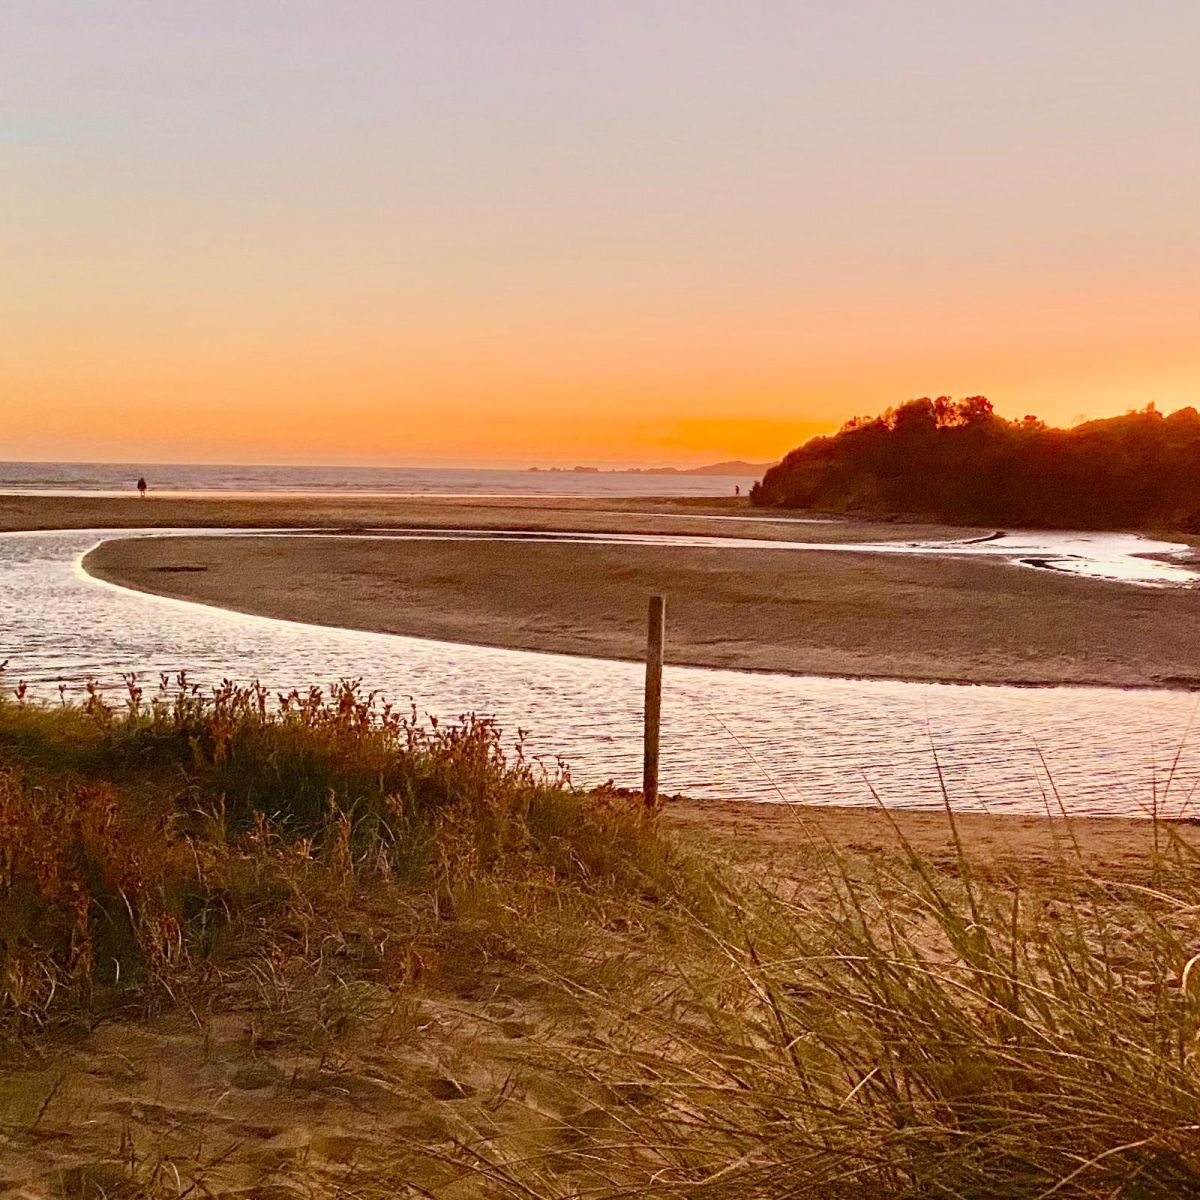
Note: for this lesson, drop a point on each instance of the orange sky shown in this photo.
(557, 234)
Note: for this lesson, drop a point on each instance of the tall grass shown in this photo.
(859, 1026)
(908, 1036)
(140, 837)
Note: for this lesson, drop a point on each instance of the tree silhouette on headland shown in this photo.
(957, 461)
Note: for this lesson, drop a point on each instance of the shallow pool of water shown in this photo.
(726, 734)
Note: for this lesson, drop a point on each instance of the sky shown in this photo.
(558, 231)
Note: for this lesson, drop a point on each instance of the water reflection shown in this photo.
(726, 734)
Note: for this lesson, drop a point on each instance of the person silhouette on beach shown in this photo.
(141, 486)
(737, 489)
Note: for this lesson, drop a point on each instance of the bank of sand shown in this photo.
(923, 617)
(846, 614)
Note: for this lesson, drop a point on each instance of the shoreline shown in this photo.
(753, 820)
(776, 836)
(659, 514)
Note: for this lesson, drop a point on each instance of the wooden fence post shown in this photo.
(654, 665)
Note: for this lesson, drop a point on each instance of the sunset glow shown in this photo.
(522, 233)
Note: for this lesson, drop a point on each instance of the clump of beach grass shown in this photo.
(143, 837)
(902, 1030)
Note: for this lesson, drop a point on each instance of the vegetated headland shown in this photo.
(732, 467)
(957, 461)
(312, 945)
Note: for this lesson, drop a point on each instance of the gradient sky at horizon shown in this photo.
(559, 232)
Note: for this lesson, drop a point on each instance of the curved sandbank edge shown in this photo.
(676, 657)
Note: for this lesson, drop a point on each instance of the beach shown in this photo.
(804, 611)
(275, 1072)
(369, 1024)
(778, 840)
(725, 516)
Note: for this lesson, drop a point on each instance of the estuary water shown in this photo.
(726, 734)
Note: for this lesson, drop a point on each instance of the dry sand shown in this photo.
(252, 1094)
(776, 839)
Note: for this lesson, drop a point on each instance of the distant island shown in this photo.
(735, 467)
(957, 461)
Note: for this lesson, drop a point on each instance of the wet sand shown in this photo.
(778, 839)
(713, 517)
(932, 618)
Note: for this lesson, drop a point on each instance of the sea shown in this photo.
(114, 479)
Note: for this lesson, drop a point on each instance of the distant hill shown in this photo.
(956, 461)
(734, 467)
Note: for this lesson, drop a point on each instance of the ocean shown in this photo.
(107, 479)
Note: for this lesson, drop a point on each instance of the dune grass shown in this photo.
(883, 1027)
(138, 839)
(908, 1032)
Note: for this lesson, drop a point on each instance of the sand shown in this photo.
(247, 1092)
(918, 617)
(776, 839)
(686, 515)
(806, 612)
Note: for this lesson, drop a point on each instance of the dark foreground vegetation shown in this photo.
(490, 984)
(956, 461)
